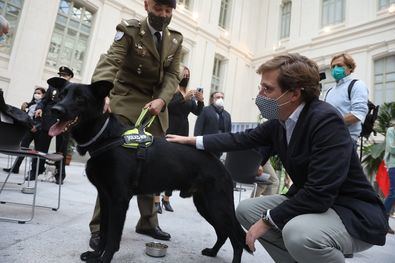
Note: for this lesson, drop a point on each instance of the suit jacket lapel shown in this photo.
(148, 40)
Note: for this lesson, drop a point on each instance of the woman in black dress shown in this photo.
(183, 102)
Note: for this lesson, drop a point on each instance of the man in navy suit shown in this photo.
(214, 118)
(331, 210)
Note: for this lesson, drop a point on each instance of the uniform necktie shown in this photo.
(159, 39)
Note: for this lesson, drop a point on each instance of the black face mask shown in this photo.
(158, 22)
(184, 82)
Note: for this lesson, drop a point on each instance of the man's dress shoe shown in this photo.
(156, 233)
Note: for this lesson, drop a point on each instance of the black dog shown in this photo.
(115, 170)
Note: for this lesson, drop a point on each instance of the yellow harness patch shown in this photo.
(138, 137)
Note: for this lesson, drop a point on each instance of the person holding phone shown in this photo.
(181, 105)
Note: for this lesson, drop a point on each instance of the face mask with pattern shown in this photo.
(268, 107)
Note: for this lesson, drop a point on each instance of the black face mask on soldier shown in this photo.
(184, 82)
(158, 22)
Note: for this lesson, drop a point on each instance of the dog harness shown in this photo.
(139, 138)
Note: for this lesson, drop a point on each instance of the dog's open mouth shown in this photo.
(61, 126)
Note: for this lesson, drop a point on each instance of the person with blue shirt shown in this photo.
(353, 108)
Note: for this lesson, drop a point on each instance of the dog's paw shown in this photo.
(209, 252)
(90, 256)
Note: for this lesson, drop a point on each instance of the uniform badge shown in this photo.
(118, 35)
(140, 50)
(170, 58)
(54, 92)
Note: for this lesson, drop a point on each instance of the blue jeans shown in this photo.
(389, 201)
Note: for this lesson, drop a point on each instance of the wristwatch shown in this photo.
(266, 219)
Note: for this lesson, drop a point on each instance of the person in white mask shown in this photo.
(33, 135)
(214, 118)
(331, 211)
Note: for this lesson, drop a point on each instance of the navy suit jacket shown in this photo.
(324, 167)
(207, 122)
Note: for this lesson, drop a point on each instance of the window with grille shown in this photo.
(285, 19)
(224, 14)
(186, 3)
(383, 4)
(332, 12)
(11, 10)
(384, 80)
(217, 75)
(69, 40)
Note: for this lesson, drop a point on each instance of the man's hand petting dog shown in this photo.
(256, 230)
(181, 139)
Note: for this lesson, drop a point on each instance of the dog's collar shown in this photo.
(97, 135)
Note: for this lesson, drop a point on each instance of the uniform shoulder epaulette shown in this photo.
(131, 22)
(174, 31)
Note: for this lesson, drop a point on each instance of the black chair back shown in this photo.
(243, 165)
(11, 136)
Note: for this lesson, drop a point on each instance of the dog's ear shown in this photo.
(101, 88)
(57, 82)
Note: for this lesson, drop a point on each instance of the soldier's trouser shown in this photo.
(305, 238)
(148, 215)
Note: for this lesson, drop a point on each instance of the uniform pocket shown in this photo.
(119, 88)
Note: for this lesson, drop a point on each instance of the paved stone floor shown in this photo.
(62, 235)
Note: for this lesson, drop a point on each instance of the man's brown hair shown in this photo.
(295, 71)
(348, 60)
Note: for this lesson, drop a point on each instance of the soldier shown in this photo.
(143, 63)
(43, 110)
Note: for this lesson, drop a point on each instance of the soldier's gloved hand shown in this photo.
(155, 106)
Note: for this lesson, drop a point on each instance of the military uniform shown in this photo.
(140, 74)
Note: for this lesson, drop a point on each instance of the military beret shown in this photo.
(65, 70)
(172, 3)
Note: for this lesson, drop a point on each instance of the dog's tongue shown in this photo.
(57, 128)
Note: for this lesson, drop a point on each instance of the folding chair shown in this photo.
(10, 138)
(243, 167)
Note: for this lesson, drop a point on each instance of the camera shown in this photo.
(322, 76)
(199, 89)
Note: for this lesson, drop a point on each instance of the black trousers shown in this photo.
(27, 139)
(44, 140)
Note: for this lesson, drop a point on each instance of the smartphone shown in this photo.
(199, 89)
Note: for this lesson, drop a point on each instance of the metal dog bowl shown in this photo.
(155, 249)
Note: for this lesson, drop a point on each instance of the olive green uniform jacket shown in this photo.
(139, 73)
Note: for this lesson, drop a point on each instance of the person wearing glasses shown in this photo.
(331, 210)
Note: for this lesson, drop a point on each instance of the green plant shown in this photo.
(373, 153)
